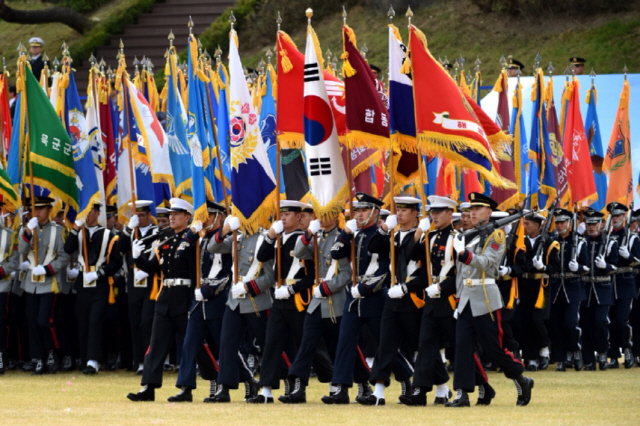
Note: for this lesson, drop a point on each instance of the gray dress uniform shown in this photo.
(247, 311)
(42, 292)
(9, 259)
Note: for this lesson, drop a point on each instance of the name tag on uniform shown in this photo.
(92, 284)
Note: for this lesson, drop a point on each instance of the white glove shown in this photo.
(352, 225)
(424, 224)
(133, 222)
(600, 263)
(72, 274)
(25, 265)
(396, 292)
(79, 222)
(537, 263)
(316, 292)
(391, 222)
(33, 222)
(581, 228)
(136, 248)
(624, 252)
(196, 226)
(39, 270)
(573, 266)
(3, 216)
(277, 226)
(282, 292)
(234, 223)
(22, 212)
(459, 244)
(507, 228)
(13, 274)
(504, 271)
(456, 314)
(433, 290)
(140, 275)
(198, 293)
(355, 293)
(90, 276)
(314, 226)
(238, 290)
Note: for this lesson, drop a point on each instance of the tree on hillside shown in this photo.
(64, 15)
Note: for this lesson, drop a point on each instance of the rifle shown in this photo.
(575, 237)
(627, 226)
(489, 227)
(544, 233)
(509, 240)
(604, 237)
(160, 233)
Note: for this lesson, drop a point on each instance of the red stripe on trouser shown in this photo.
(500, 333)
(148, 349)
(56, 344)
(480, 369)
(286, 359)
(363, 359)
(215, 364)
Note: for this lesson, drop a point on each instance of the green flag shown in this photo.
(7, 191)
(51, 153)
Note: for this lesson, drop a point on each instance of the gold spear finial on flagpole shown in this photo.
(218, 55)
(344, 15)
(279, 20)
(409, 14)
(503, 62)
(92, 60)
(309, 14)
(190, 25)
(232, 20)
(171, 37)
(269, 54)
(391, 13)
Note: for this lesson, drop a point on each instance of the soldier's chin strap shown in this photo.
(373, 209)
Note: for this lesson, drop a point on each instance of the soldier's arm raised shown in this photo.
(221, 243)
(491, 254)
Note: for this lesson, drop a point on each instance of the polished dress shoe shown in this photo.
(578, 363)
(561, 366)
(524, 386)
(260, 399)
(183, 396)
(67, 364)
(442, 400)
(364, 390)
(613, 363)
(590, 367)
(52, 363)
(250, 389)
(418, 399)
(341, 396)
(462, 400)
(297, 395)
(222, 395)
(486, 393)
(629, 359)
(39, 368)
(147, 393)
(532, 366)
(543, 363)
(370, 400)
(89, 370)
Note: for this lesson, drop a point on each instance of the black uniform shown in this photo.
(515, 260)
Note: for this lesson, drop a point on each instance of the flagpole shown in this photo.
(421, 167)
(34, 237)
(125, 91)
(391, 14)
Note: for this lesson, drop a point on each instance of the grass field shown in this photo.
(609, 397)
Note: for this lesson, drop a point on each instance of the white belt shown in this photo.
(176, 282)
(471, 282)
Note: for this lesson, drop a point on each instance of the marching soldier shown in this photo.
(287, 312)
(534, 291)
(9, 259)
(624, 286)
(567, 292)
(365, 299)
(603, 258)
(478, 311)
(99, 259)
(40, 284)
(142, 287)
(175, 261)
(465, 216)
(207, 307)
(401, 313)
(634, 318)
(247, 306)
(437, 314)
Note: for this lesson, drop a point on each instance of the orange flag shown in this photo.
(617, 161)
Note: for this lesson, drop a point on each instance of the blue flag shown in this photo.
(592, 128)
(268, 126)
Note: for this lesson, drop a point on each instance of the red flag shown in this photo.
(5, 116)
(367, 116)
(504, 197)
(445, 120)
(576, 151)
(557, 156)
(109, 173)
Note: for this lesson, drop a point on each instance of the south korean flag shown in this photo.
(325, 168)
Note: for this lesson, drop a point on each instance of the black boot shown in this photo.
(578, 363)
(442, 400)
(39, 368)
(90, 370)
(250, 389)
(52, 363)
(183, 396)
(543, 363)
(287, 386)
(406, 388)
(602, 362)
(222, 394)
(213, 387)
(298, 394)
(147, 393)
(29, 366)
(561, 366)
(417, 399)
(629, 360)
(524, 386)
(364, 390)
(260, 399)
(462, 400)
(67, 364)
(486, 393)
(341, 396)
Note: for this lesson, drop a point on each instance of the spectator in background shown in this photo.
(35, 50)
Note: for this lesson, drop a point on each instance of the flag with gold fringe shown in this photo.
(520, 145)
(446, 122)
(576, 150)
(617, 162)
(592, 128)
(555, 152)
(249, 161)
(327, 177)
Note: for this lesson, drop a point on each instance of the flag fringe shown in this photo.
(366, 164)
(201, 213)
(52, 164)
(260, 215)
(360, 139)
(403, 142)
(56, 193)
(333, 208)
(95, 198)
(285, 62)
(291, 140)
(511, 202)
